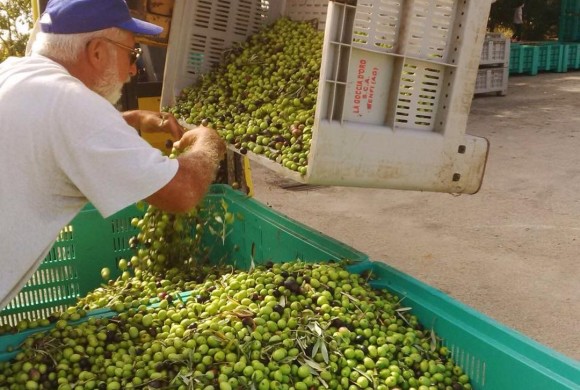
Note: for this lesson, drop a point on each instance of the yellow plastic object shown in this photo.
(156, 140)
(35, 9)
(248, 175)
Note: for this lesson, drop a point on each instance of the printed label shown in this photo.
(367, 90)
(364, 90)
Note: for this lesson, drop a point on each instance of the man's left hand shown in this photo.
(154, 122)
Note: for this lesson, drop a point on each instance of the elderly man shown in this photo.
(64, 144)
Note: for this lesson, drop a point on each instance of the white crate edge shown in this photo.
(445, 160)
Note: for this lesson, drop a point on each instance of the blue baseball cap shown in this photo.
(81, 16)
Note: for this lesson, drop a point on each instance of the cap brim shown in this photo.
(141, 27)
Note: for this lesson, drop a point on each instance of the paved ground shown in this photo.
(512, 251)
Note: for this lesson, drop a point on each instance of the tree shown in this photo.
(540, 18)
(15, 22)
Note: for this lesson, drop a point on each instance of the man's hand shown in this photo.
(204, 137)
(201, 151)
(154, 122)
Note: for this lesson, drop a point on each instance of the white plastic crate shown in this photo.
(496, 50)
(395, 86)
(492, 80)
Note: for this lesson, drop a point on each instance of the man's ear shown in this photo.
(97, 53)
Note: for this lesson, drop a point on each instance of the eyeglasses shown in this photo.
(134, 52)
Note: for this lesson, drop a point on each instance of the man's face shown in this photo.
(118, 71)
(110, 85)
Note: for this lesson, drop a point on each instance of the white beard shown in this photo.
(108, 86)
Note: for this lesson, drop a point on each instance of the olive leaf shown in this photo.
(315, 348)
(243, 312)
(433, 340)
(313, 365)
(314, 327)
(212, 230)
(301, 344)
(252, 255)
(368, 275)
(400, 312)
(364, 374)
(324, 352)
(350, 297)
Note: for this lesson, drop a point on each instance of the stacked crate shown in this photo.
(493, 72)
(571, 57)
(524, 59)
(552, 57)
(569, 35)
(548, 56)
(569, 22)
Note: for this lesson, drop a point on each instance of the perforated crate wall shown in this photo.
(208, 29)
(569, 7)
(212, 28)
(550, 57)
(72, 267)
(569, 27)
(412, 47)
(54, 286)
(496, 50)
(572, 56)
(492, 80)
(387, 66)
(524, 59)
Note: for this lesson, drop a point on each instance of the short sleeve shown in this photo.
(104, 157)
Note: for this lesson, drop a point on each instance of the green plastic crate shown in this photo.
(524, 59)
(551, 57)
(569, 27)
(72, 267)
(571, 60)
(569, 7)
(266, 235)
(494, 356)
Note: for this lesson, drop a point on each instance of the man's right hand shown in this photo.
(201, 136)
(201, 151)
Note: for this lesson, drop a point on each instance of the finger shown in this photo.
(187, 139)
(174, 128)
(163, 119)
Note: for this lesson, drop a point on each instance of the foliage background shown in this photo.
(15, 21)
(541, 18)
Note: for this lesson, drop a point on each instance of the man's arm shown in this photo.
(202, 151)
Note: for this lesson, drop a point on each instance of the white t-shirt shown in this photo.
(61, 145)
(519, 15)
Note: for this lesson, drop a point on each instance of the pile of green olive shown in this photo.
(178, 321)
(262, 97)
(288, 326)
